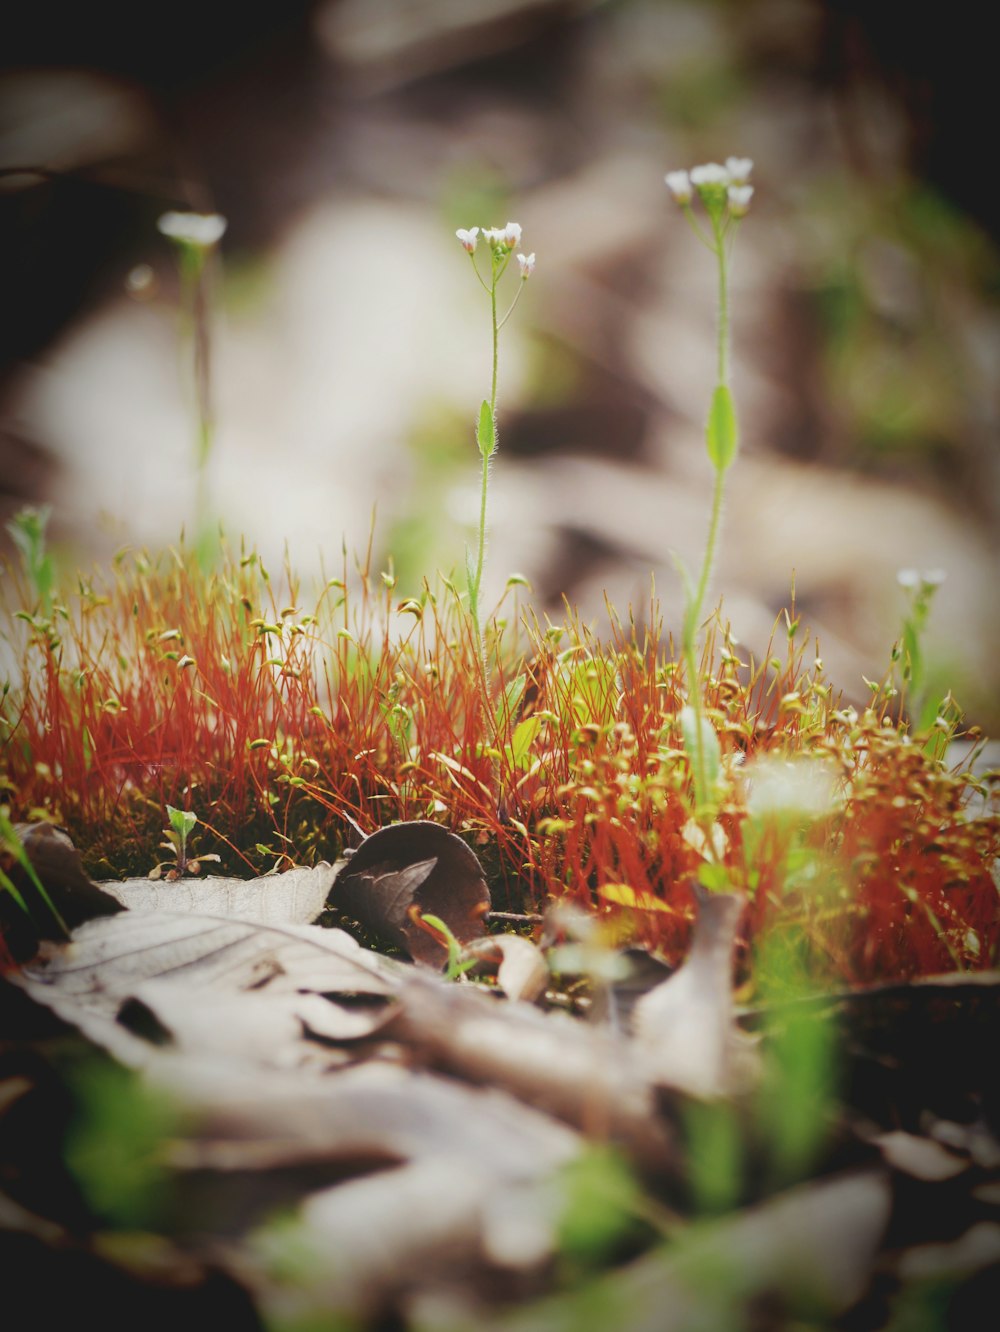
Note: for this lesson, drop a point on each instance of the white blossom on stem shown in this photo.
(526, 263)
(469, 238)
(739, 169)
(679, 185)
(201, 229)
(739, 199)
(503, 238)
(711, 173)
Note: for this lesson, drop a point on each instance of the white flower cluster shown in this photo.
(501, 240)
(201, 229)
(916, 578)
(710, 180)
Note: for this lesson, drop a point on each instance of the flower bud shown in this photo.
(739, 199)
(739, 169)
(679, 185)
(200, 229)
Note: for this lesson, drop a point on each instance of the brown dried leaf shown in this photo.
(56, 861)
(202, 958)
(684, 1027)
(519, 965)
(409, 865)
(579, 1073)
(296, 896)
(374, 1112)
(919, 1157)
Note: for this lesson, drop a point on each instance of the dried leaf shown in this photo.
(579, 1073)
(56, 861)
(297, 896)
(814, 1244)
(685, 1027)
(372, 1113)
(109, 961)
(919, 1157)
(977, 1249)
(409, 865)
(523, 972)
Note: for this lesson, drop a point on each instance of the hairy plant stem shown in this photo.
(196, 305)
(482, 672)
(694, 610)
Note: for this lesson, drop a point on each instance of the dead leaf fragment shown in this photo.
(407, 865)
(56, 861)
(296, 896)
(685, 1026)
(202, 959)
(919, 1157)
(520, 966)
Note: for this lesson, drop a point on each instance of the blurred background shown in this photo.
(345, 140)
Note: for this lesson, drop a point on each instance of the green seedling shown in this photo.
(182, 824)
(458, 963)
(501, 242)
(27, 531)
(725, 197)
(925, 709)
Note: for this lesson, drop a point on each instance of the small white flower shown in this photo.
(739, 169)
(468, 238)
(503, 238)
(709, 174)
(679, 185)
(526, 263)
(202, 229)
(920, 577)
(739, 199)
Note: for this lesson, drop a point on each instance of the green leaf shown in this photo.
(522, 740)
(486, 432)
(182, 821)
(715, 878)
(507, 706)
(721, 435)
(706, 757)
(470, 573)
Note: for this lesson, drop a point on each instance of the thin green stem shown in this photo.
(696, 600)
(723, 321)
(710, 544)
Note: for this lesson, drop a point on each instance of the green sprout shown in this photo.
(182, 824)
(27, 531)
(458, 962)
(502, 242)
(924, 708)
(725, 197)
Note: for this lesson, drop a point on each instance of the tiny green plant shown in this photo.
(502, 242)
(182, 824)
(458, 963)
(196, 236)
(725, 197)
(27, 531)
(923, 707)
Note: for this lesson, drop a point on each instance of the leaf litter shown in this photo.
(357, 1136)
